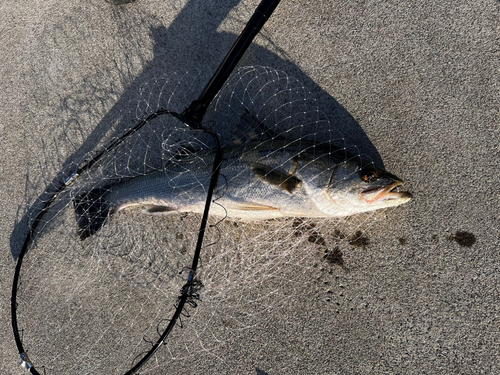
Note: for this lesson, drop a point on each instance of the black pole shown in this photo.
(196, 111)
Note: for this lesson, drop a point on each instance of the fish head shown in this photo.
(381, 188)
(355, 186)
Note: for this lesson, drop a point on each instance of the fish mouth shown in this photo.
(386, 193)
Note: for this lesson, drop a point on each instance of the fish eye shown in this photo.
(369, 174)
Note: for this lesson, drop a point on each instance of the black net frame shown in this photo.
(192, 117)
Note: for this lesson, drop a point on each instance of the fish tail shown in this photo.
(92, 211)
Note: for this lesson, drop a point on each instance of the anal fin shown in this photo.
(254, 207)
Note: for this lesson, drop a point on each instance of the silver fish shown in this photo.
(258, 180)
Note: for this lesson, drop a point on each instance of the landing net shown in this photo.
(96, 306)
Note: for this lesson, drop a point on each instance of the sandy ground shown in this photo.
(420, 79)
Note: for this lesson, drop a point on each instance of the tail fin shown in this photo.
(92, 211)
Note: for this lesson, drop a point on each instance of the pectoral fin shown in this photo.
(275, 177)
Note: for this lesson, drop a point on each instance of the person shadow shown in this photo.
(191, 43)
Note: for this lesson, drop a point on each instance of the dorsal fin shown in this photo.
(251, 129)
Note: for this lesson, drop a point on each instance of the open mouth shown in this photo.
(383, 193)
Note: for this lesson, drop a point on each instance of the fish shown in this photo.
(259, 180)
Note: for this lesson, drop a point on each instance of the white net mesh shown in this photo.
(96, 306)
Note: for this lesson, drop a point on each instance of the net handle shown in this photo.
(197, 109)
